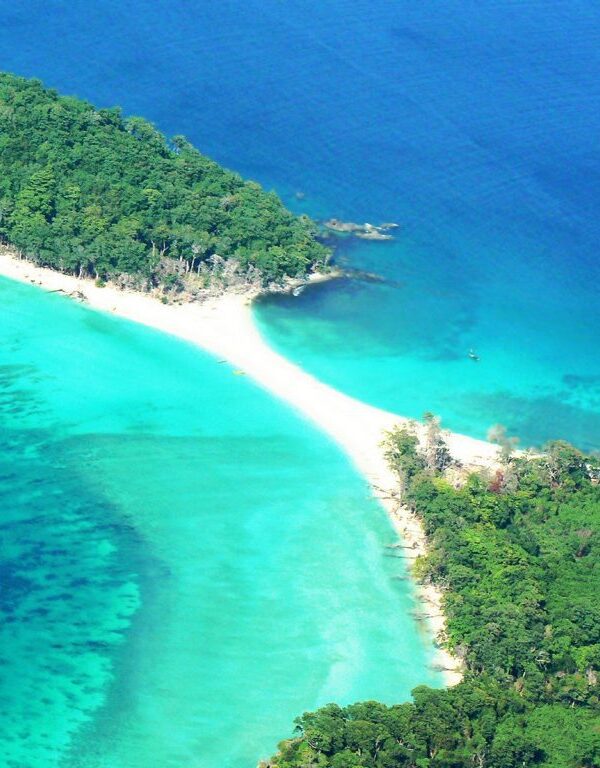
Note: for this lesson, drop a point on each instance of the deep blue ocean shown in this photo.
(472, 124)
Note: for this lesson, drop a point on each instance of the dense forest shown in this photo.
(517, 556)
(87, 191)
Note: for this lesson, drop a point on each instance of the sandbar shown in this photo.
(225, 327)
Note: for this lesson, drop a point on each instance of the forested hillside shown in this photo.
(517, 555)
(88, 191)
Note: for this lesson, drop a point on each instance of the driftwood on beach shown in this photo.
(76, 295)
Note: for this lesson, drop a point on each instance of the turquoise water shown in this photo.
(186, 564)
(474, 124)
(402, 349)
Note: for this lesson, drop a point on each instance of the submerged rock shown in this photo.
(365, 231)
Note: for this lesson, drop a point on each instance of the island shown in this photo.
(94, 194)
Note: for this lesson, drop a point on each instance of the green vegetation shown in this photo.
(517, 555)
(85, 190)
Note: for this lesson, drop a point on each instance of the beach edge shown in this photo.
(224, 327)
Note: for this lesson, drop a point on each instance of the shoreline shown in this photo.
(224, 327)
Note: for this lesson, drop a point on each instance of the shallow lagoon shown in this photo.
(187, 565)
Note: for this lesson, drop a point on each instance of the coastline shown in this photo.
(225, 328)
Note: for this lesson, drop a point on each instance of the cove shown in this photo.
(186, 563)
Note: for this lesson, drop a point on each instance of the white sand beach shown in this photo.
(225, 328)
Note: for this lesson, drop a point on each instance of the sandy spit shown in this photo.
(225, 327)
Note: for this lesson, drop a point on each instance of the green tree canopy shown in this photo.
(85, 190)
